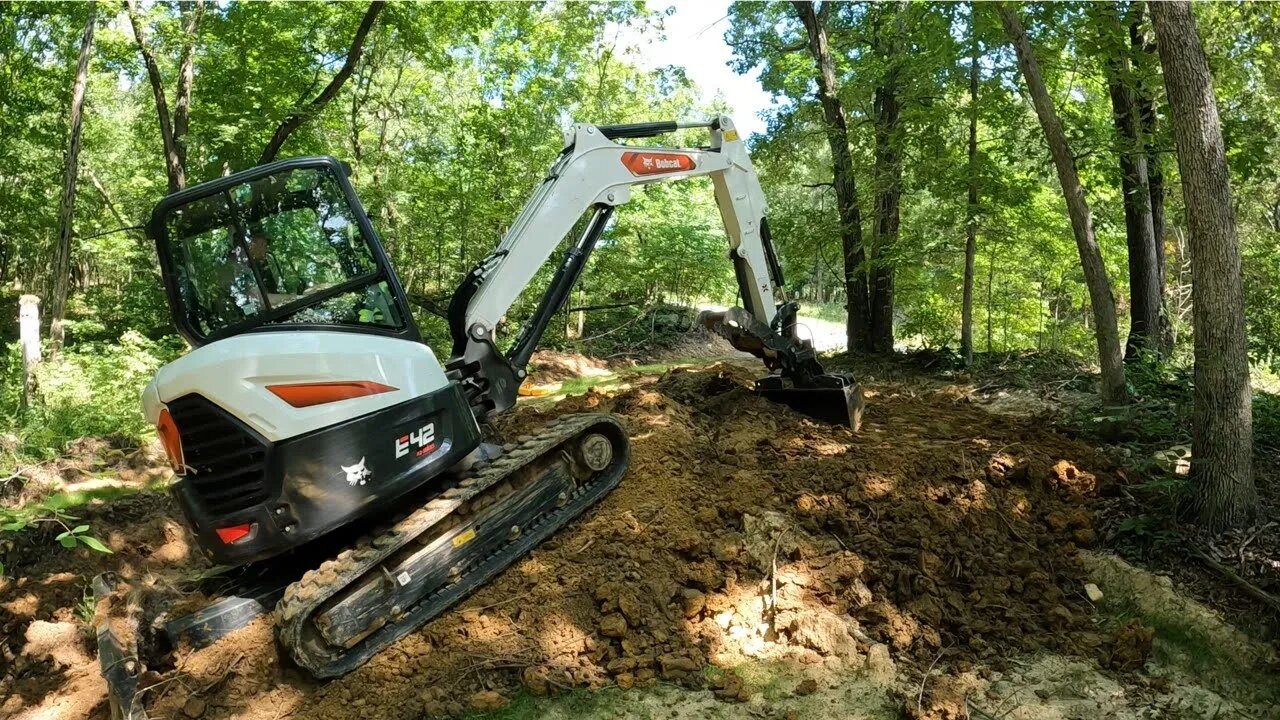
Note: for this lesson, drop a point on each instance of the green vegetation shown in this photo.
(576, 704)
(35, 514)
(91, 389)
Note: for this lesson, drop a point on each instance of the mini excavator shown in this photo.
(310, 404)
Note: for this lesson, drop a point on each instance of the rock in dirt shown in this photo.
(694, 602)
(730, 687)
(824, 632)
(488, 701)
(808, 686)
(613, 625)
(536, 680)
(194, 707)
(1093, 592)
(880, 668)
(672, 664)
(1132, 647)
(770, 536)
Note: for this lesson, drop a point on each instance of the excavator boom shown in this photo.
(594, 174)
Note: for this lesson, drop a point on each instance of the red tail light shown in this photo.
(235, 533)
(302, 395)
(172, 441)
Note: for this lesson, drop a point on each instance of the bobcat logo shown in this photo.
(357, 474)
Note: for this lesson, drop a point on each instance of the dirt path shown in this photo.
(827, 336)
(751, 562)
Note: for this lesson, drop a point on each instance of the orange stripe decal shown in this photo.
(302, 395)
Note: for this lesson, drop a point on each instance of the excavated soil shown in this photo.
(938, 536)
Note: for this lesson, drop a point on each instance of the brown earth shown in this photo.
(939, 536)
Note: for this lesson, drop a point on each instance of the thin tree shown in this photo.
(1095, 272)
(1145, 286)
(173, 129)
(67, 209)
(887, 115)
(971, 208)
(857, 328)
(1222, 417)
(295, 119)
(1146, 78)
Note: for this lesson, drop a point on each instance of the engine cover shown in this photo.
(262, 474)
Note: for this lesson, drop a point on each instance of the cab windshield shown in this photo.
(285, 248)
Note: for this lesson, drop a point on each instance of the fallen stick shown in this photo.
(983, 713)
(1253, 590)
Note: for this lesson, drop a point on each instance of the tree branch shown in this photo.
(295, 120)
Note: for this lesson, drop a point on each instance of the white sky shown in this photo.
(694, 40)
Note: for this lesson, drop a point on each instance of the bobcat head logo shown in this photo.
(357, 474)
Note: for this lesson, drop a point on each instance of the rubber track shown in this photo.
(303, 597)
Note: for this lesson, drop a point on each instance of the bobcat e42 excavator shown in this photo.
(309, 403)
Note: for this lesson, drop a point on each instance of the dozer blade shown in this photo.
(338, 615)
(840, 403)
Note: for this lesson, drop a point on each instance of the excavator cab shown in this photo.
(286, 246)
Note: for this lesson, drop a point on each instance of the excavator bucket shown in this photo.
(833, 399)
(828, 397)
(835, 405)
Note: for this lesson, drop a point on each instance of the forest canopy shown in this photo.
(452, 113)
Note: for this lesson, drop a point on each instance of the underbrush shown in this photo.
(1159, 412)
(88, 390)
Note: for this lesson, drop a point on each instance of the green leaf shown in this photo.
(94, 543)
(14, 526)
(79, 529)
(67, 540)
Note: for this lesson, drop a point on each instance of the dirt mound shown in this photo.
(745, 531)
(549, 366)
(740, 531)
(46, 595)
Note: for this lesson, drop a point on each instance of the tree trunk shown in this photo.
(887, 111)
(888, 212)
(991, 281)
(67, 210)
(1144, 270)
(1222, 420)
(1095, 272)
(971, 209)
(1145, 66)
(296, 120)
(174, 168)
(857, 328)
(192, 13)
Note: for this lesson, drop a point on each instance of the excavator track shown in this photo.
(340, 614)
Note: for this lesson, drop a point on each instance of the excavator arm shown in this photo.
(594, 174)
